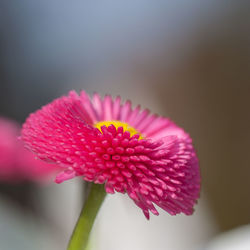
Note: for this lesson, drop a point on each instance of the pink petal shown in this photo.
(87, 104)
(97, 104)
(146, 123)
(125, 111)
(133, 115)
(140, 118)
(116, 108)
(107, 108)
(64, 176)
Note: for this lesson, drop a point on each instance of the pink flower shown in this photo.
(127, 149)
(17, 163)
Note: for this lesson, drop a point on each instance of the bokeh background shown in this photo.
(188, 60)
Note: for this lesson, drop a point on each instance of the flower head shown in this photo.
(127, 149)
(17, 163)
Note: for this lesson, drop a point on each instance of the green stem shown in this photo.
(80, 236)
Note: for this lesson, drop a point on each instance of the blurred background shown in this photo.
(188, 60)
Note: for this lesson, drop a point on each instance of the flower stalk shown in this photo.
(81, 233)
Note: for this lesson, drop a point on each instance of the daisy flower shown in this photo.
(129, 150)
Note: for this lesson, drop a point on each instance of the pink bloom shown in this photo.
(127, 149)
(16, 162)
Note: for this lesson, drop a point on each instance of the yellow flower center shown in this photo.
(118, 124)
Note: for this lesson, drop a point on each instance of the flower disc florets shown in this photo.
(128, 150)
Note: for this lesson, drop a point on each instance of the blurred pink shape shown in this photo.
(17, 163)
